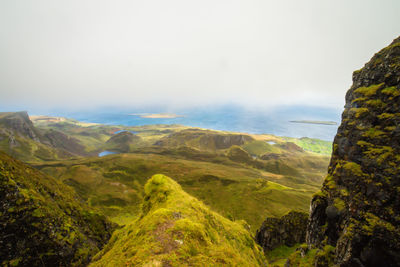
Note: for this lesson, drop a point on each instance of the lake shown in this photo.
(106, 152)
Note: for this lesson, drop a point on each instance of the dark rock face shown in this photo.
(288, 230)
(358, 208)
(43, 222)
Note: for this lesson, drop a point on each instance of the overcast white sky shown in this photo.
(90, 53)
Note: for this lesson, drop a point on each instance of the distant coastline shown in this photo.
(226, 118)
(316, 122)
(158, 116)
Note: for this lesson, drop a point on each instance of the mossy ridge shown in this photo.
(177, 229)
(43, 221)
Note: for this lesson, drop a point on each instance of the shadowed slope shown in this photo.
(43, 222)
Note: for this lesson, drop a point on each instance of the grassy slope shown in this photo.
(29, 150)
(312, 144)
(237, 191)
(24, 147)
(300, 255)
(260, 147)
(176, 229)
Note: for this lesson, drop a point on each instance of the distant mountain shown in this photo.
(19, 123)
(21, 139)
(203, 139)
(122, 142)
(43, 222)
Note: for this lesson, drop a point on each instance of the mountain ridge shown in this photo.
(175, 229)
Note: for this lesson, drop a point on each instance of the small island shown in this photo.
(316, 122)
(158, 116)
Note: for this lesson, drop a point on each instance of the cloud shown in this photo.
(75, 54)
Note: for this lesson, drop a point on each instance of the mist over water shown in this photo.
(227, 118)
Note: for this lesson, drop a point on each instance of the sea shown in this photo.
(276, 121)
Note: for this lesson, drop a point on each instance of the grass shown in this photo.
(296, 259)
(278, 256)
(260, 147)
(174, 229)
(312, 145)
(235, 190)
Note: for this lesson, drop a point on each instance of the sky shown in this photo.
(80, 54)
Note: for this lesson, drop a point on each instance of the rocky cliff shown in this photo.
(288, 230)
(358, 208)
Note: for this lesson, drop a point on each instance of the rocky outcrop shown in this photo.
(288, 230)
(43, 222)
(358, 208)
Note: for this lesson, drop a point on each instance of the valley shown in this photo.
(243, 177)
(170, 195)
(235, 174)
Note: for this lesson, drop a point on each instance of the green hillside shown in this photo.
(114, 184)
(175, 229)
